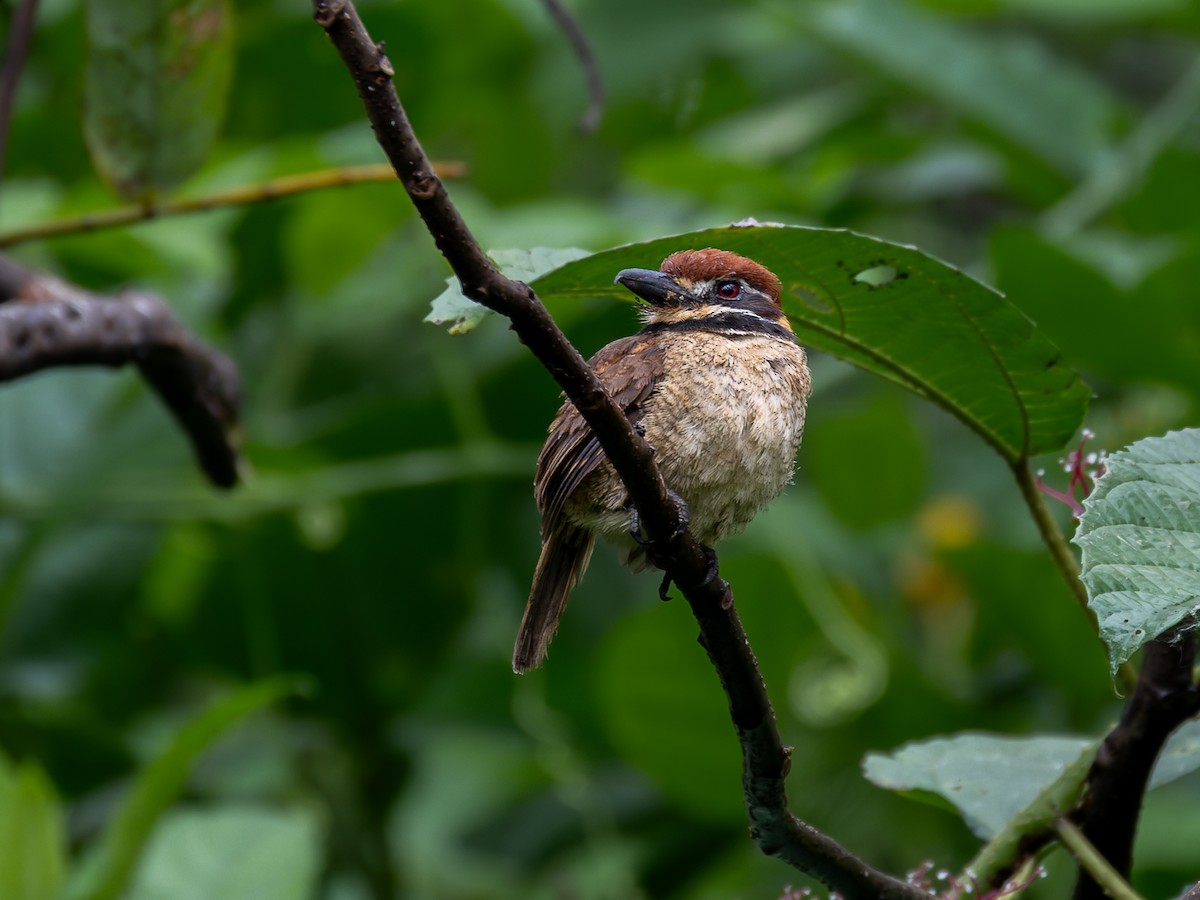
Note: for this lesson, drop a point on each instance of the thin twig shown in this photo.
(1054, 540)
(1165, 696)
(1064, 558)
(775, 830)
(1093, 863)
(591, 69)
(49, 323)
(243, 195)
(14, 62)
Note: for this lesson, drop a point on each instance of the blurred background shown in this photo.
(384, 543)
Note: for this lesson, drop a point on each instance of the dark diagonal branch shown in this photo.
(48, 323)
(776, 831)
(591, 69)
(1166, 695)
(14, 60)
(483, 283)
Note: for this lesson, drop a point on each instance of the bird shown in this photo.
(716, 383)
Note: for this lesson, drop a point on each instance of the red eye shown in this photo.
(728, 290)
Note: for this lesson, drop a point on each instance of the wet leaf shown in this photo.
(1007, 788)
(1140, 536)
(988, 778)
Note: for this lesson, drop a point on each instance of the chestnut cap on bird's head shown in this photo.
(699, 283)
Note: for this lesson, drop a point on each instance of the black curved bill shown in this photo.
(656, 288)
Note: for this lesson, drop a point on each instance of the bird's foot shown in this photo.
(681, 524)
(635, 528)
(664, 588)
(710, 556)
(685, 514)
(651, 548)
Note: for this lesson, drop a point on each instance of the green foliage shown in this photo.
(1070, 124)
(107, 873)
(232, 853)
(155, 89)
(694, 744)
(32, 844)
(1141, 541)
(888, 491)
(384, 542)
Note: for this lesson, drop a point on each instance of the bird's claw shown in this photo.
(665, 587)
(681, 525)
(681, 522)
(635, 528)
(710, 556)
(685, 514)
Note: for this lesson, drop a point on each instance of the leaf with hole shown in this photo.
(1140, 537)
(894, 311)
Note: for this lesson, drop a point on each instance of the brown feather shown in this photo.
(564, 557)
(630, 369)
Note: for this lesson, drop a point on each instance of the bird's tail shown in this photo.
(565, 555)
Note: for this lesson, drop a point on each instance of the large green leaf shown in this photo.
(1140, 536)
(32, 844)
(155, 88)
(894, 311)
(234, 853)
(1180, 756)
(988, 778)
(1010, 83)
(1008, 787)
(107, 873)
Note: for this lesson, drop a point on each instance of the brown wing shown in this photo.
(630, 369)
